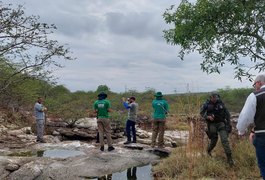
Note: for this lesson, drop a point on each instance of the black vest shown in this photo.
(259, 118)
(216, 109)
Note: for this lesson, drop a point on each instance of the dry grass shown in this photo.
(176, 123)
(191, 161)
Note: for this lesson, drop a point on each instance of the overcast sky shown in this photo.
(119, 43)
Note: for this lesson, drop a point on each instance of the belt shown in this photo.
(259, 131)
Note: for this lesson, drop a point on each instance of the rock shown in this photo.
(134, 146)
(3, 129)
(12, 167)
(97, 164)
(15, 132)
(55, 133)
(28, 171)
(144, 141)
(26, 130)
(87, 123)
(162, 152)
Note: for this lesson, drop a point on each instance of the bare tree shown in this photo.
(25, 48)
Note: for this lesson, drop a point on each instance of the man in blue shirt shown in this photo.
(39, 111)
(132, 106)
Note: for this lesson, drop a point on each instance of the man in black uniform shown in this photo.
(218, 122)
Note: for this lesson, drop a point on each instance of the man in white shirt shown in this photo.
(254, 112)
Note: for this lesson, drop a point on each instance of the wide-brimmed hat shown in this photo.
(159, 94)
(102, 95)
(214, 94)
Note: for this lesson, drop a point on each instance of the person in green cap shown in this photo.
(160, 107)
(102, 109)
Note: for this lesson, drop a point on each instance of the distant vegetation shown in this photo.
(70, 106)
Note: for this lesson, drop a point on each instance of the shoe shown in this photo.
(209, 153)
(40, 141)
(111, 148)
(102, 148)
(127, 142)
(231, 162)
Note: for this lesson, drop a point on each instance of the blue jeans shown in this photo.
(259, 143)
(130, 126)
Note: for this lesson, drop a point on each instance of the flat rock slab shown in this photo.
(162, 152)
(134, 146)
(92, 163)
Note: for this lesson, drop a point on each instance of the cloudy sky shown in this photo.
(119, 43)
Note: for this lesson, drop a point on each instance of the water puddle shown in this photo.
(141, 172)
(53, 153)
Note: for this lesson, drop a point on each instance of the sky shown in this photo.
(119, 43)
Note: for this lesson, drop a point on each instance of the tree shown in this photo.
(222, 31)
(103, 88)
(25, 46)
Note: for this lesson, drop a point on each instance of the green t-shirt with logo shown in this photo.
(102, 107)
(160, 107)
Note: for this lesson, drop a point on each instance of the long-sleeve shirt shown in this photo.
(247, 114)
(133, 108)
(39, 111)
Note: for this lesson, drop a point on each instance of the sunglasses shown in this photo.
(255, 84)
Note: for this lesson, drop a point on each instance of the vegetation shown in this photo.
(192, 162)
(218, 29)
(26, 51)
(222, 31)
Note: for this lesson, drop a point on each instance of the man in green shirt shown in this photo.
(160, 107)
(102, 108)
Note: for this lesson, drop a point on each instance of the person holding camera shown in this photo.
(132, 106)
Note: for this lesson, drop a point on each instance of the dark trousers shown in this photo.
(259, 143)
(214, 130)
(131, 173)
(130, 127)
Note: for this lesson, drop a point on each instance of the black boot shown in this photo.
(209, 152)
(230, 160)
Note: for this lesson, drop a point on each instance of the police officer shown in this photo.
(218, 122)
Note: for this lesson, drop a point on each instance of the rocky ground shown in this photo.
(22, 158)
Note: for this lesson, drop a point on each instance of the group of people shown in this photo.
(213, 112)
(102, 109)
(252, 114)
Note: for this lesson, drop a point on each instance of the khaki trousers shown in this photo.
(158, 130)
(104, 128)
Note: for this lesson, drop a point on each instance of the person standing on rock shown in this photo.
(102, 109)
(160, 107)
(132, 106)
(39, 111)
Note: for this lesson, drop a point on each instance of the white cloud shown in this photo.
(120, 44)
